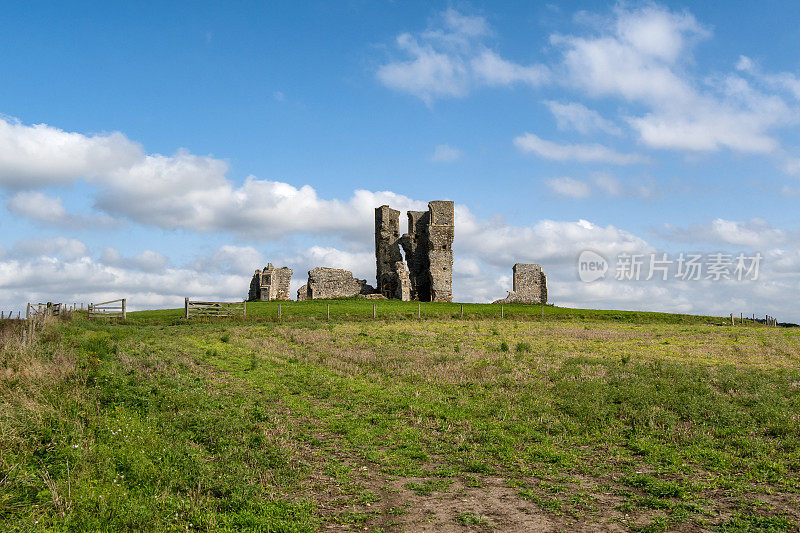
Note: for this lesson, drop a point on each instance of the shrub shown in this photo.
(523, 347)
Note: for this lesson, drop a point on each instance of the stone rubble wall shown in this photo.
(281, 282)
(441, 232)
(270, 284)
(324, 282)
(530, 285)
(415, 246)
(425, 274)
(428, 253)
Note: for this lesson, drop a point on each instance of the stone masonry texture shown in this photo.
(428, 253)
(530, 285)
(441, 231)
(324, 282)
(270, 284)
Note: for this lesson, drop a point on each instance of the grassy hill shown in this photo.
(578, 419)
(352, 309)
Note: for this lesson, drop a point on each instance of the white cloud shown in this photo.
(450, 59)
(62, 270)
(68, 249)
(755, 233)
(444, 153)
(498, 244)
(146, 261)
(578, 117)
(569, 187)
(40, 155)
(229, 259)
(50, 211)
(493, 70)
(643, 188)
(37, 206)
(643, 58)
(594, 153)
(360, 262)
(785, 81)
(608, 184)
(186, 191)
(84, 280)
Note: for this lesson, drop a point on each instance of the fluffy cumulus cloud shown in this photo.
(146, 261)
(40, 155)
(185, 191)
(50, 211)
(451, 58)
(49, 248)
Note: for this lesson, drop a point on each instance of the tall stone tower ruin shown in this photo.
(428, 253)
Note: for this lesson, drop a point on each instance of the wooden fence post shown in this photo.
(279, 310)
(28, 312)
(419, 310)
(186, 308)
(502, 311)
(374, 311)
(462, 310)
(244, 308)
(328, 310)
(732, 322)
(124, 313)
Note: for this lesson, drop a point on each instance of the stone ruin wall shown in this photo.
(427, 272)
(441, 231)
(424, 274)
(530, 285)
(270, 284)
(388, 257)
(324, 282)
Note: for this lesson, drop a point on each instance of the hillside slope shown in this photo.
(578, 420)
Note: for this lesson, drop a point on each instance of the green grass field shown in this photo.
(594, 420)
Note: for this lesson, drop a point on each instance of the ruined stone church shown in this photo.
(425, 273)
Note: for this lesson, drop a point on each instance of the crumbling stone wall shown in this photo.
(388, 257)
(270, 284)
(324, 282)
(415, 246)
(441, 231)
(428, 253)
(530, 285)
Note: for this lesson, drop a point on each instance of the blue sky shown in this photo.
(161, 151)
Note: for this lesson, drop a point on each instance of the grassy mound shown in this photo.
(581, 419)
